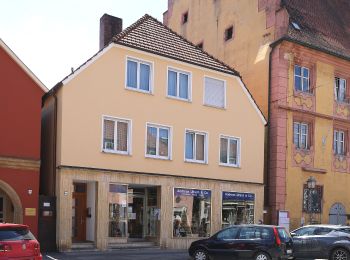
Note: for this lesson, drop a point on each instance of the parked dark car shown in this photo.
(260, 242)
(322, 241)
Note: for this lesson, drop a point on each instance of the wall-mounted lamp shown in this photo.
(30, 191)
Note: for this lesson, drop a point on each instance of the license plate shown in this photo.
(289, 251)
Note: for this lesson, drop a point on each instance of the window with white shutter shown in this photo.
(214, 92)
(116, 135)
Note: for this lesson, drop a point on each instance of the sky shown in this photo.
(52, 36)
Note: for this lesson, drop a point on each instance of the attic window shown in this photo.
(229, 33)
(296, 26)
(185, 18)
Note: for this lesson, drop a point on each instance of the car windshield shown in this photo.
(14, 234)
(283, 234)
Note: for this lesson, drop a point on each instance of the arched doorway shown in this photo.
(337, 214)
(10, 204)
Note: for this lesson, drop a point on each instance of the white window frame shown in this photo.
(206, 146)
(225, 92)
(129, 136)
(336, 89)
(308, 90)
(338, 141)
(228, 137)
(189, 89)
(157, 156)
(151, 75)
(300, 135)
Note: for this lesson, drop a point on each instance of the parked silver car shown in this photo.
(322, 242)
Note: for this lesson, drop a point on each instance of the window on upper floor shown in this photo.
(229, 33)
(138, 75)
(214, 92)
(196, 146)
(301, 78)
(116, 135)
(340, 89)
(339, 141)
(185, 17)
(179, 85)
(301, 135)
(229, 151)
(158, 142)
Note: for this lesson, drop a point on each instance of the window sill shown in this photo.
(230, 165)
(342, 103)
(139, 90)
(195, 161)
(157, 157)
(212, 106)
(179, 99)
(307, 93)
(303, 150)
(115, 152)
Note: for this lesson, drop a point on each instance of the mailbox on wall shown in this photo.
(47, 223)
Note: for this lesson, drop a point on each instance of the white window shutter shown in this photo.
(214, 92)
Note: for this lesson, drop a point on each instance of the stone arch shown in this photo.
(16, 201)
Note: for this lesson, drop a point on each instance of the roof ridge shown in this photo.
(130, 28)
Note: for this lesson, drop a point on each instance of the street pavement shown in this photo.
(123, 254)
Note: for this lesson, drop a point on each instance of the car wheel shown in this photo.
(200, 254)
(340, 254)
(262, 256)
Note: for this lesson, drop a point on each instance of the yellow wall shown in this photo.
(247, 52)
(99, 89)
(335, 184)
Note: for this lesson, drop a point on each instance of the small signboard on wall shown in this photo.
(283, 219)
(30, 212)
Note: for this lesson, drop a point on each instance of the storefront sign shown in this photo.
(238, 196)
(192, 192)
(30, 212)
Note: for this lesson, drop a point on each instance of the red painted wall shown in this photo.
(20, 114)
(20, 111)
(21, 181)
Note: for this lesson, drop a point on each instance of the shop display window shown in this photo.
(191, 213)
(117, 199)
(237, 208)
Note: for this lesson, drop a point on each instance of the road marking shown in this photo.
(51, 257)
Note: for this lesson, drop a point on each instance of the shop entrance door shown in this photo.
(79, 213)
(136, 217)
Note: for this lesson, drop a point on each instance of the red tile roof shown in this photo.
(150, 35)
(324, 24)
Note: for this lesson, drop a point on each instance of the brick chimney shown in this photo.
(109, 27)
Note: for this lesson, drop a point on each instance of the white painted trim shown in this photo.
(87, 64)
(255, 106)
(170, 141)
(225, 90)
(238, 164)
(23, 66)
(151, 76)
(177, 70)
(129, 137)
(206, 147)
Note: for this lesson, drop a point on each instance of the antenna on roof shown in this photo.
(72, 69)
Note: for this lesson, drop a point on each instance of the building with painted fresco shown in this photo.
(294, 56)
(20, 106)
(153, 140)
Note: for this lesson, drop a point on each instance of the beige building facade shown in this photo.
(151, 145)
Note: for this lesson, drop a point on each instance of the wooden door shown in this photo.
(79, 216)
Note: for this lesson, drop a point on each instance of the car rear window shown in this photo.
(14, 234)
(283, 234)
